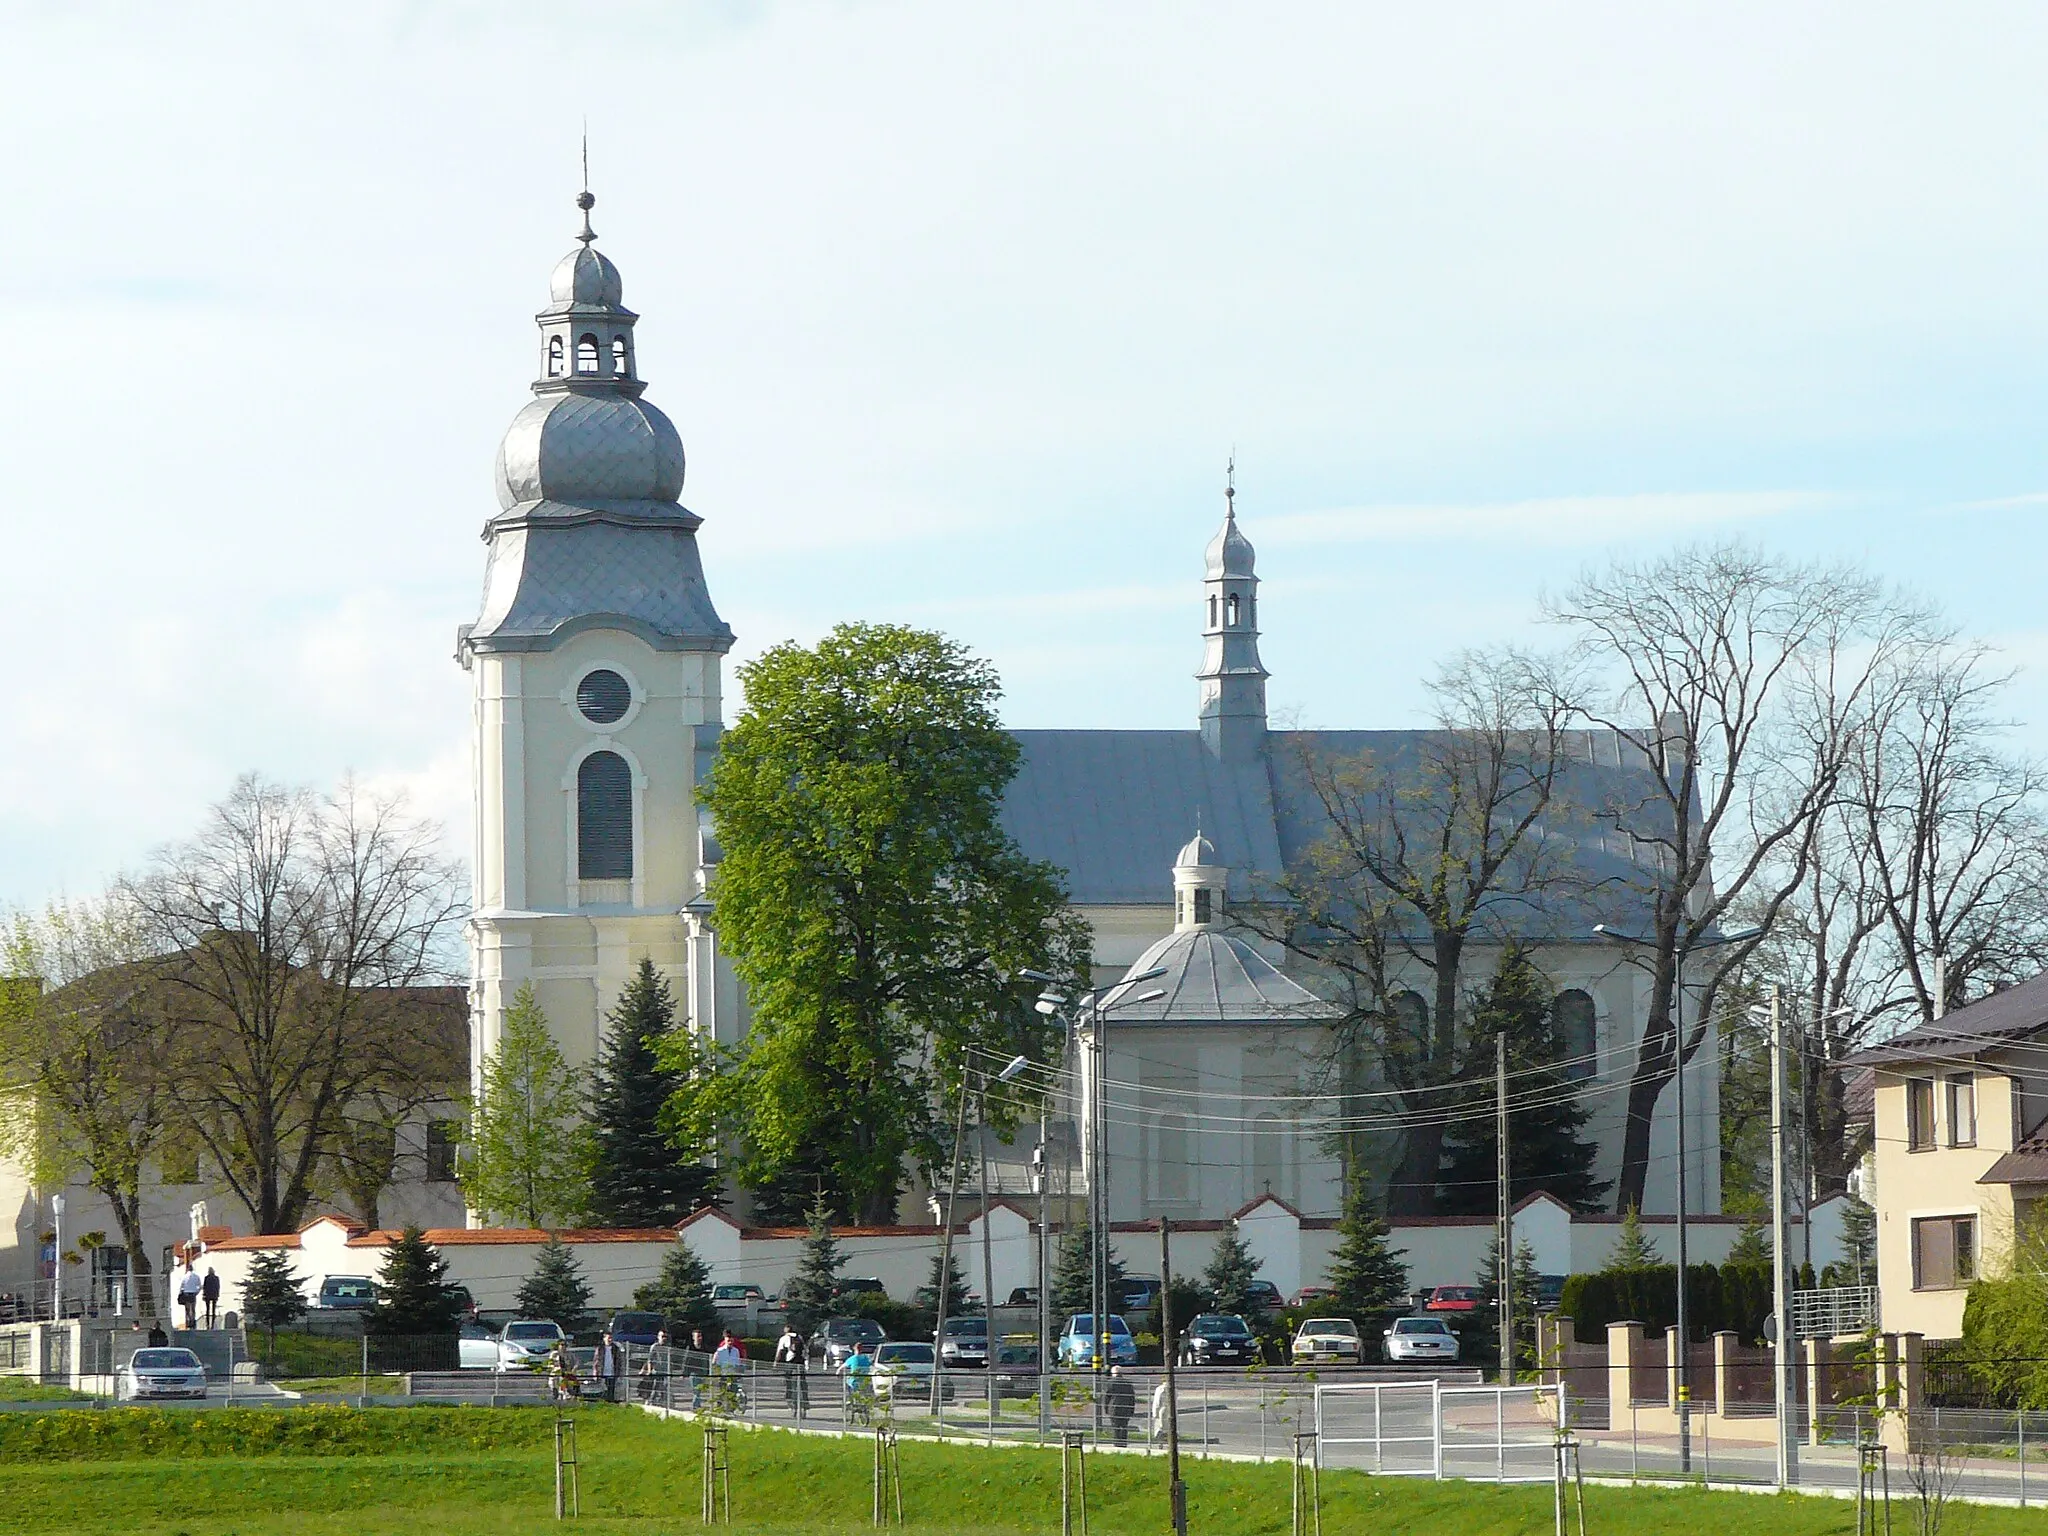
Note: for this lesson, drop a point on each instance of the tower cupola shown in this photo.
(1233, 708)
(1199, 883)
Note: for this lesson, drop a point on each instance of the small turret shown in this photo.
(1199, 883)
(1233, 710)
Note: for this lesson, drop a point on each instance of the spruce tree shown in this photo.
(1548, 1148)
(1227, 1280)
(1480, 1335)
(414, 1296)
(1752, 1246)
(556, 1289)
(1858, 1263)
(270, 1295)
(1368, 1281)
(809, 1295)
(681, 1293)
(638, 1178)
(956, 1288)
(1632, 1249)
(1073, 1282)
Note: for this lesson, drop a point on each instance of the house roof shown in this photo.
(1216, 978)
(2026, 1163)
(2013, 1013)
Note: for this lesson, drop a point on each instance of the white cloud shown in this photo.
(1557, 520)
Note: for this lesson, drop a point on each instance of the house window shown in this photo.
(441, 1138)
(1944, 1252)
(604, 818)
(1962, 1110)
(1573, 1011)
(1919, 1114)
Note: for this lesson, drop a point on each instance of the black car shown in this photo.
(1016, 1370)
(1216, 1338)
(833, 1342)
(1265, 1295)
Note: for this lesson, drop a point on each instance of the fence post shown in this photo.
(2021, 1419)
(364, 1401)
(1624, 1344)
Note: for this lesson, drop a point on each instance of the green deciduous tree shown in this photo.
(1228, 1276)
(638, 1177)
(874, 908)
(681, 1293)
(556, 1289)
(529, 1155)
(1073, 1285)
(414, 1296)
(1367, 1278)
(270, 1295)
(1548, 1148)
(809, 1294)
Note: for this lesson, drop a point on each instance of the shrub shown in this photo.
(133, 1433)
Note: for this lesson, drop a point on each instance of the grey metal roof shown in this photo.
(2020, 1009)
(1213, 977)
(580, 448)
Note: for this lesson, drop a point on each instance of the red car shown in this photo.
(1454, 1298)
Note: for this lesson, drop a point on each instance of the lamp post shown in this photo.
(57, 1258)
(1680, 953)
(945, 1277)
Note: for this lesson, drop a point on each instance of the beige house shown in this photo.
(1960, 1152)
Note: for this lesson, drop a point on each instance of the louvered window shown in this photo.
(603, 696)
(1580, 1037)
(604, 818)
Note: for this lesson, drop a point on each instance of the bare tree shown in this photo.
(292, 935)
(1736, 678)
(1427, 848)
(83, 1035)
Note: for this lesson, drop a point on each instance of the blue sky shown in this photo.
(960, 311)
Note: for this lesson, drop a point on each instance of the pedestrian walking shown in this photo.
(609, 1365)
(157, 1337)
(188, 1295)
(1159, 1410)
(1122, 1403)
(209, 1292)
(789, 1356)
(653, 1368)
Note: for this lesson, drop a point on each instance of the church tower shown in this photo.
(1233, 713)
(596, 665)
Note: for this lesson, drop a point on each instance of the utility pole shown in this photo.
(1099, 1193)
(946, 1254)
(1044, 1272)
(1683, 1357)
(1507, 1210)
(988, 1263)
(1176, 1490)
(1781, 1259)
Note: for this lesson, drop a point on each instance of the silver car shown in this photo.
(1413, 1340)
(151, 1374)
(526, 1344)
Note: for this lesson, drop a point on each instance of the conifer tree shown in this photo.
(529, 1157)
(681, 1293)
(1073, 1276)
(414, 1296)
(1479, 1332)
(1632, 1248)
(556, 1289)
(1228, 1277)
(638, 1178)
(1367, 1278)
(270, 1295)
(1858, 1263)
(1547, 1146)
(1752, 1246)
(956, 1288)
(809, 1295)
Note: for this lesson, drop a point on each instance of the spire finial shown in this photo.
(1230, 488)
(583, 199)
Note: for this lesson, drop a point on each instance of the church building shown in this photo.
(596, 664)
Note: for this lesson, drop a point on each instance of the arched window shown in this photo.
(1573, 1011)
(554, 357)
(1230, 609)
(619, 357)
(1170, 1160)
(1269, 1158)
(586, 353)
(604, 818)
(1411, 1015)
(1212, 610)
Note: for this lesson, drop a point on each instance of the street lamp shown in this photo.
(945, 1278)
(1680, 953)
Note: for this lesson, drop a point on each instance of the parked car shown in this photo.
(1265, 1296)
(1454, 1298)
(346, 1293)
(965, 1342)
(1549, 1292)
(1417, 1339)
(857, 1285)
(476, 1345)
(1017, 1370)
(637, 1327)
(1140, 1294)
(906, 1364)
(1309, 1295)
(1077, 1341)
(158, 1373)
(1023, 1296)
(526, 1343)
(735, 1295)
(1218, 1338)
(1333, 1340)
(835, 1339)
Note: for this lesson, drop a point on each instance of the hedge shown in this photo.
(1720, 1297)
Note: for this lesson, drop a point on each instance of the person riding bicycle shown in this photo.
(728, 1364)
(859, 1375)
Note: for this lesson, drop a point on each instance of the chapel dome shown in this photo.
(586, 276)
(580, 448)
(1197, 853)
(1230, 552)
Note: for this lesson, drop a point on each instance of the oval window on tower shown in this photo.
(603, 696)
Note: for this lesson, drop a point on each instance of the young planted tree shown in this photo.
(1073, 1282)
(875, 910)
(1548, 1149)
(681, 1293)
(414, 1296)
(1368, 1281)
(1227, 1278)
(809, 1295)
(638, 1178)
(529, 1157)
(270, 1295)
(556, 1289)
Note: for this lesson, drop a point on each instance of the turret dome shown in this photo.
(579, 448)
(586, 276)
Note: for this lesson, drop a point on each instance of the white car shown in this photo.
(526, 1344)
(908, 1365)
(158, 1373)
(1333, 1339)
(477, 1346)
(1415, 1340)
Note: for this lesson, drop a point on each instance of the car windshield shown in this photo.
(731, 1292)
(636, 1322)
(1084, 1323)
(904, 1354)
(1341, 1327)
(166, 1360)
(969, 1327)
(1457, 1293)
(347, 1290)
(1212, 1327)
(1421, 1325)
(521, 1332)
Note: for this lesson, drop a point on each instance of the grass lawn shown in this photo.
(347, 1386)
(339, 1472)
(25, 1389)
